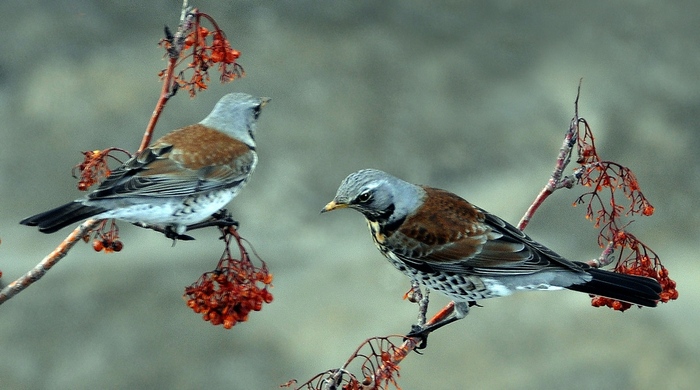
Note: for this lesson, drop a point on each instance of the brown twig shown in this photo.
(47, 262)
(379, 358)
(605, 258)
(557, 180)
(175, 45)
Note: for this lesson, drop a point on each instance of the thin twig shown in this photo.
(606, 257)
(410, 343)
(169, 87)
(557, 180)
(47, 262)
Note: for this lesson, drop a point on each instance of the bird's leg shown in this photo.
(454, 311)
(168, 231)
(221, 218)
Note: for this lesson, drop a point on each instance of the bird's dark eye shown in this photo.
(364, 197)
(256, 110)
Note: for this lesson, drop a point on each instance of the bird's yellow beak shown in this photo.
(332, 205)
(264, 102)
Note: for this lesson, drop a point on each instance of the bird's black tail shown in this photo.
(637, 290)
(62, 216)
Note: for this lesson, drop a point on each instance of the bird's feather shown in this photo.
(189, 161)
(452, 235)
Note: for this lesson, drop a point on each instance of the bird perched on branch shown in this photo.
(179, 180)
(447, 244)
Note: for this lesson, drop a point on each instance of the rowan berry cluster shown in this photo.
(204, 48)
(94, 167)
(106, 238)
(668, 285)
(605, 178)
(226, 295)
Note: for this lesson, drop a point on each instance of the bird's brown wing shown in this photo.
(449, 234)
(192, 160)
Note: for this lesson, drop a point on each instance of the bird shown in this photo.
(445, 243)
(180, 179)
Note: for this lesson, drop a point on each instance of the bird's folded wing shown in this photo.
(468, 240)
(159, 172)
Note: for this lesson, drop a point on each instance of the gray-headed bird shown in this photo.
(447, 244)
(181, 179)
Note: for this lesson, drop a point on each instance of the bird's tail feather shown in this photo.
(637, 290)
(62, 216)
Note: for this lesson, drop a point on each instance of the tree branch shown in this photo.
(49, 261)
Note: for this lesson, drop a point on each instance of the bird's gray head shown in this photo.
(377, 195)
(235, 114)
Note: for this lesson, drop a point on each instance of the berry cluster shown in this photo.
(226, 295)
(601, 175)
(605, 178)
(204, 49)
(668, 286)
(94, 168)
(106, 239)
(635, 258)
(609, 176)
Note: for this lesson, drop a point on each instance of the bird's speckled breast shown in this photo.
(455, 286)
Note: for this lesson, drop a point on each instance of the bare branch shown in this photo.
(49, 261)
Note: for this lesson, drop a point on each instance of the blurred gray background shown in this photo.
(471, 96)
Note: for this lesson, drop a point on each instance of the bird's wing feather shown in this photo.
(451, 235)
(189, 161)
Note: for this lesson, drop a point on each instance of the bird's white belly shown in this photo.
(187, 211)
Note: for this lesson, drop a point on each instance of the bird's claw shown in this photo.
(223, 218)
(173, 235)
(420, 333)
